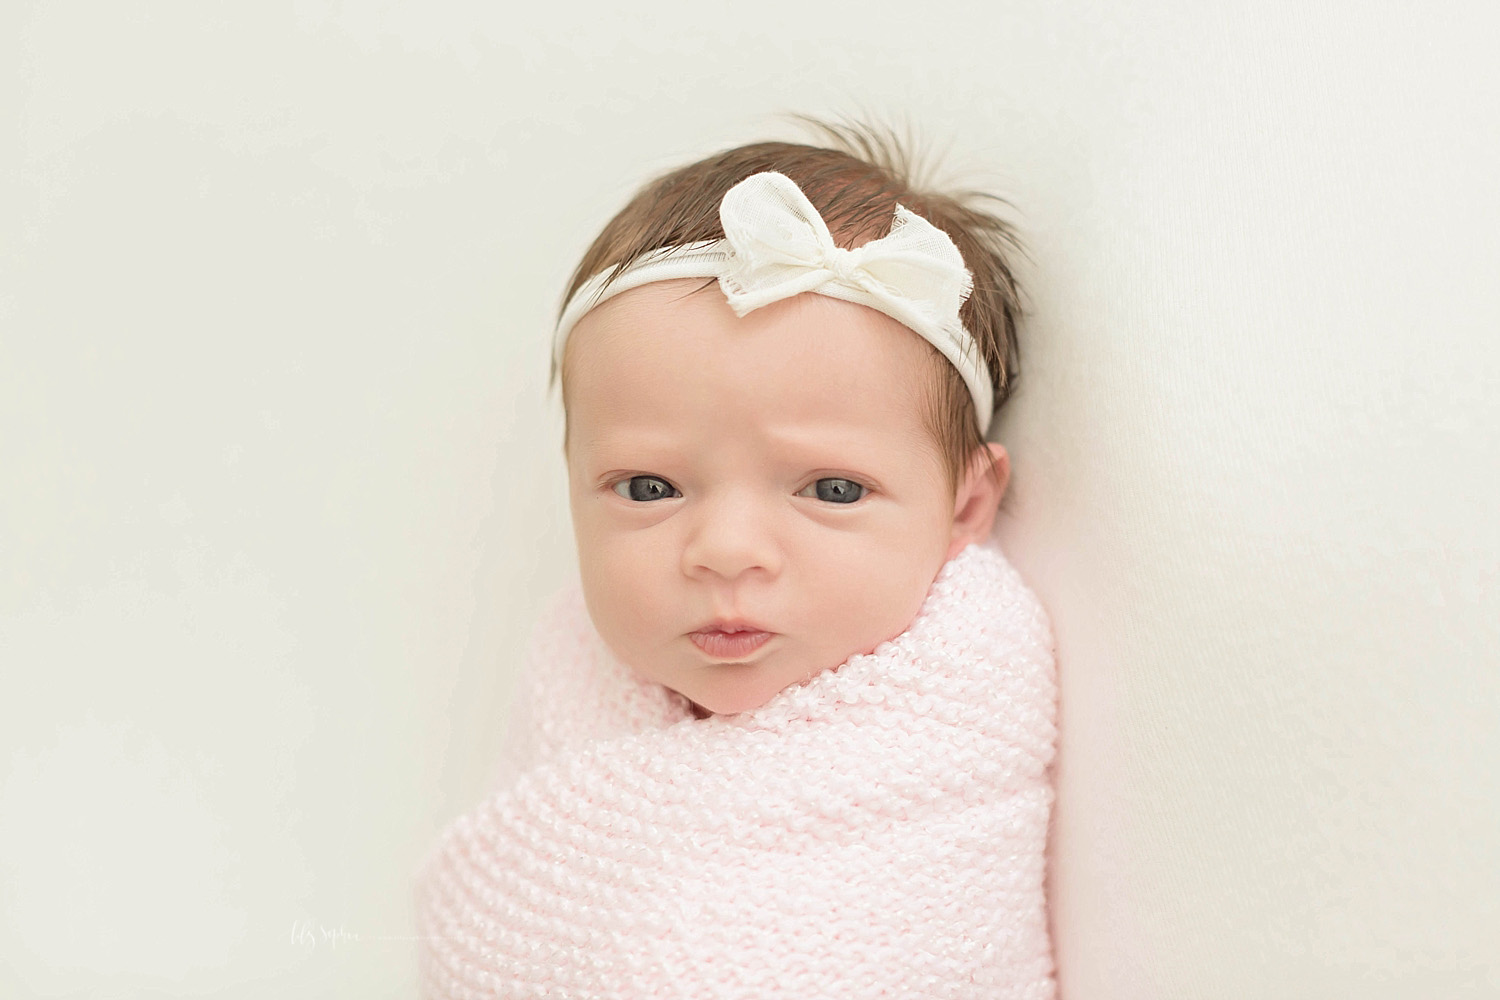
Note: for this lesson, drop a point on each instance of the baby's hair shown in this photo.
(855, 182)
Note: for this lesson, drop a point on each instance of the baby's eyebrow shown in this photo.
(832, 442)
(641, 436)
(835, 444)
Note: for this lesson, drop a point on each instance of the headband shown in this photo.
(776, 245)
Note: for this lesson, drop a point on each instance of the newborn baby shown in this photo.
(790, 734)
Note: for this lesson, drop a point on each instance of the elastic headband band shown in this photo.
(776, 245)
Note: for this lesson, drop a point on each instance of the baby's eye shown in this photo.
(836, 490)
(645, 488)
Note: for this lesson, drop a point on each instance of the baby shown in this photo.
(789, 736)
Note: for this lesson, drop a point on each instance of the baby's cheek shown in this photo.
(639, 593)
(890, 603)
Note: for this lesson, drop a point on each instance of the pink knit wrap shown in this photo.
(877, 831)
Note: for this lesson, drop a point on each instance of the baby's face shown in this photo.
(772, 471)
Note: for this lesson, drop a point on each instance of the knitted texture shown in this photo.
(876, 831)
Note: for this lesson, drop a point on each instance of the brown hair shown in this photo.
(855, 183)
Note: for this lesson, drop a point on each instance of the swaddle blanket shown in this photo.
(876, 831)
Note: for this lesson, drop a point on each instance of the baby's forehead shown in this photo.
(675, 353)
(686, 323)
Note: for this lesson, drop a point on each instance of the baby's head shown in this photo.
(766, 481)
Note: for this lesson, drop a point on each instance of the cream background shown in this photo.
(281, 487)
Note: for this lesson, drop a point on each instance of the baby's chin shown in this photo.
(722, 706)
(729, 698)
(706, 703)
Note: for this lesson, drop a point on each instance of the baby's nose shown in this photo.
(732, 537)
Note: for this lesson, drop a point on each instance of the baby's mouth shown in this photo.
(727, 645)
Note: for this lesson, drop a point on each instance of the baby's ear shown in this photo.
(978, 497)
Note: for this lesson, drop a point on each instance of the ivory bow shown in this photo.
(782, 247)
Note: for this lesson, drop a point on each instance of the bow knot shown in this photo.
(845, 264)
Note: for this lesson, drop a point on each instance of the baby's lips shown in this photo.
(730, 645)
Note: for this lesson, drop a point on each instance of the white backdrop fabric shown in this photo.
(281, 487)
